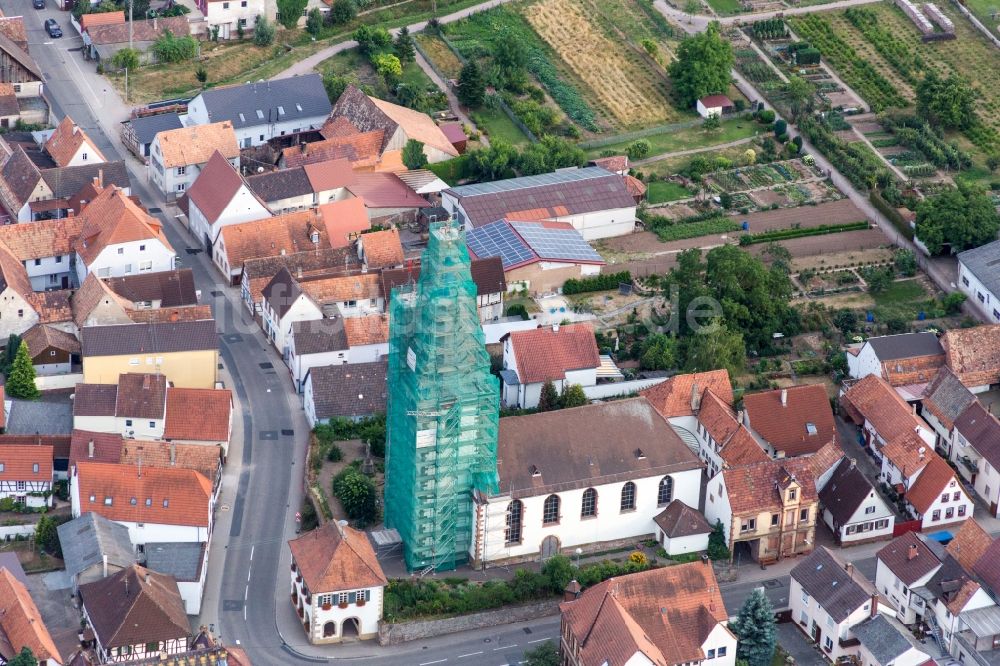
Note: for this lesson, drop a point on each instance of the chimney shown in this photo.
(146, 578)
(849, 568)
(874, 604)
(912, 552)
(555, 328)
(104, 561)
(173, 454)
(572, 591)
(921, 451)
(90, 449)
(695, 397)
(853, 462)
(100, 178)
(145, 382)
(302, 147)
(784, 397)
(914, 407)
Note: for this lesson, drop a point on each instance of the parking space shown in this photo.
(52, 595)
(795, 643)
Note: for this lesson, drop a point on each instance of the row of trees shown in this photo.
(502, 160)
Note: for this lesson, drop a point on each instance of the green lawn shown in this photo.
(661, 191)
(687, 139)
(904, 298)
(983, 9)
(497, 125)
(725, 6)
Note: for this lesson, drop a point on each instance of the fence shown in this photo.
(53, 382)
(976, 22)
(904, 527)
(650, 131)
(601, 391)
(8, 532)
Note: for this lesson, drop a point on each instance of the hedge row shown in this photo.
(596, 283)
(787, 234)
(680, 231)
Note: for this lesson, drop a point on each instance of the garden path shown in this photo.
(691, 151)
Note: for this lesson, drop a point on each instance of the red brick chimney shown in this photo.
(572, 591)
(912, 552)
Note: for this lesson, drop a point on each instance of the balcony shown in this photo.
(971, 464)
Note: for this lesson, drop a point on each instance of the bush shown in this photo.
(601, 282)
(263, 31)
(785, 234)
(765, 116)
(314, 21)
(175, 49)
(638, 149)
(341, 12)
(906, 262)
(358, 495)
(126, 59)
(518, 310)
(953, 302)
(334, 453)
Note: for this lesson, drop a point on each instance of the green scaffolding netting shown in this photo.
(442, 408)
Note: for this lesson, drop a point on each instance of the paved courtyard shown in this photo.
(794, 642)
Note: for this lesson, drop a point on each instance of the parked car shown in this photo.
(52, 27)
(38, 4)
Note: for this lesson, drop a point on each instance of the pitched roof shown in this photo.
(675, 396)
(215, 187)
(385, 190)
(884, 638)
(974, 353)
(147, 127)
(382, 249)
(846, 491)
(18, 179)
(363, 150)
(141, 396)
(486, 273)
(909, 557)
(95, 399)
(87, 540)
(259, 272)
(873, 399)
(92, 293)
(295, 98)
(20, 56)
(417, 126)
(711, 101)
(665, 614)
(680, 520)
(148, 30)
(133, 606)
(329, 175)
(907, 452)
(149, 338)
(107, 446)
(737, 445)
(164, 496)
(345, 220)
(180, 559)
(521, 243)
(206, 460)
(970, 544)
(946, 397)
(987, 566)
(753, 488)
(587, 446)
(796, 420)
(14, 275)
(335, 557)
(41, 239)
(101, 18)
(350, 390)
(546, 354)
(12, 27)
(905, 345)
(928, 486)
(19, 462)
(824, 578)
(198, 414)
(982, 430)
(543, 197)
(171, 288)
(66, 140)
(21, 622)
(326, 290)
(614, 163)
(272, 236)
(8, 99)
(67, 182)
(981, 262)
(318, 336)
(197, 143)
(370, 330)
(42, 336)
(952, 585)
(113, 218)
(274, 186)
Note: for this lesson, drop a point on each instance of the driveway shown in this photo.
(794, 642)
(58, 609)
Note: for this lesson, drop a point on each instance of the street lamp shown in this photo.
(579, 552)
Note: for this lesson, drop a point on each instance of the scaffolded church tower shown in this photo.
(443, 408)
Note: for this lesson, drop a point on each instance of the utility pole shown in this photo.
(130, 50)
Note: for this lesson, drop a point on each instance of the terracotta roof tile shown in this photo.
(334, 557)
(338, 126)
(751, 488)
(385, 190)
(873, 399)
(141, 396)
(148, 30)
(907, 452)
(92, 293)
(345, 220)
(974, 354)
(206, 460)
(42, 336)
(382, 249)
(199, 414)
(53, 307)
(666, 614)
(215, 187)
(634, 186)
(113, 218)
(270, 237)
(796, 420)
(937, 475)
(675, 396)
(330, 175)
(362, 150)
(970, 544)
(21, 622)
(41, 239)
(339, 289)
(66, 140)
(163, 496)
(196, 144)
(170, 288)
(106, 446)
(167, 315)
(545, 354)
(417, 126)
(95, 399)
(737, 445)
(9, 105)
(12, 27)
(19, 462)
(612, 163)
(102, 18)
(370, 330)
(680, 520)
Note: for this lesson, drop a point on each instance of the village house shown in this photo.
(671, 615)
(973, 354)
(24, 76)
(157, 297)
(329, 180)
(45, 249)
(161, 289)
(342, 140)
(260, 111)
(26, 474)
(884, 641)
(178, 156)
(318, 342)
(94, 548)
(768, 510)
(537, 256)
(792, 421)
(138, 133)
(380, 250)
(345, 221)
(905, 565)
(226, 18)
(713, 106)
(488, 275)
(681, 529)
(102, 41)
(53, 351)
(906, 360)
(388, 200)
(678, 399)
(21, 623)
(353, 392)
(723, 439)
(881, 414)
(975, 450)
(584, 477)
(220, 196)
(135, 614)
(276, 236)
(828, 599)
(257, 273)
(563, 355)
(186, 352)
(594, 201)
(284, 190)
(398, 124)
(118, 238)
(944, 399)
(337, 584)
(979, 279)
(69, 145)
(852, 509)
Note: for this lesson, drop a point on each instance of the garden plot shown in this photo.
(760, 176)
(620, 81)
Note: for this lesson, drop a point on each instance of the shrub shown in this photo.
(906, 262)
(263, 31)
(126, 59)
(766, 116)
(518, 310)
(314, 21)
(174, 49)
(953, 302)
(201, 74)
(334, 453)
(341, 12)
(638, 149)
(601, 282)
(357, 494)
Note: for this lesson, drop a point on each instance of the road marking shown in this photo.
(244, 612)
(428, 663)
(471, 654)
(246, 593)
(537, 640)
(251, 552)
(505, 647)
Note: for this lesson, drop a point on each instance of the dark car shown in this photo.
(38, 4)
(53, 28)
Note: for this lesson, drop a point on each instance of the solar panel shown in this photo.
(549, 243)
(524, 182)
(498, 240)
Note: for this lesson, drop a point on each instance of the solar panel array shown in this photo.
(562, 244)
(541, 180)
(497, 239)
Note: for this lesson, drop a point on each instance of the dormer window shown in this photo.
(535, 472)
(792, 494)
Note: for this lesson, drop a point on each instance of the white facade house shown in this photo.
(879, 410)
(979, 279)
(121, 259)
(26, 474)
(713, 106)
(316, 343)
(901, 359)
(228, 16)
(852, 509)
(681, 530)
(220, 197)
(904, 564)
(528, 362)
(178, 156)
(885, 642)
(975, 450)
(353, 392)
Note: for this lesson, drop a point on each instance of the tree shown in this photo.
(388, 67)
(703, 65)
(471, 87)
(21, 381)
(946, 102)
(780, 127)
(335, 86)
(713, 347)
(691, 7)
(573, 396)
(906, 262)
(749, 156)
(845, 321)
(263, 31)
(546, 654)
(548, 400)
(403, 46)
(492, 163)
(560, 571)
(357, 494)
(10, 353)
(953, 302)
(371, 40)
(126, 59)
(413, 155)
(958, 218)
(651, 48)
(24, 658)
(799, 93)
(549, 154)
(314, 21)
(175, 49)
(754, 629)
(658, 352)
(341, 12)
(201, 74)
(717, 549)
(47, 536)
(289, 12)
(637, 149)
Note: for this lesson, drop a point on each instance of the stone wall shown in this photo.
(394, 634)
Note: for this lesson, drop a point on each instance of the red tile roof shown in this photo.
(974, 354)
(271, 237)
(370, 330)
(970, 544)
(382, 249)
(385, 190)
(19, 461)
(545, 354)
(334, 557)
(113, 218)
(937, 476)
(21, 622)
(361, 149)
(907, 452)
(675, 396)
(215, 187)
(344, 220)
(66, 141)
(909, 558)
(198, 414)
(330, 175)
(752, 488)
(796, 420)
(874, 400)
(737, 445)
(711, 101)
(107, 447)
(162, 496)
